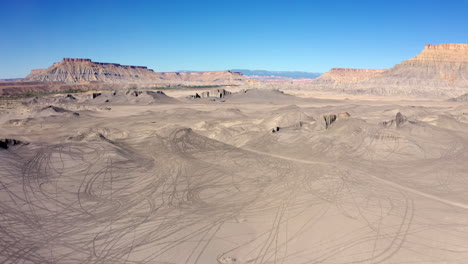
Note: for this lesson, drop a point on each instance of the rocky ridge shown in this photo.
(71, 70)
(76, 71)
(438, 71)
(347, 75)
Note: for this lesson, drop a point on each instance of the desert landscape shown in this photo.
(234, 132)
(138, 166)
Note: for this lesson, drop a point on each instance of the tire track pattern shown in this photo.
(179, 197)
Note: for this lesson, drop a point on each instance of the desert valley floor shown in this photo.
(259, 176)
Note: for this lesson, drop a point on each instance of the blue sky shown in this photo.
(176, 35)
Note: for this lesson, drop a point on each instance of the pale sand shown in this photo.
(208, 182)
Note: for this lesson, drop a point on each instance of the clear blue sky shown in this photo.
(176, 35)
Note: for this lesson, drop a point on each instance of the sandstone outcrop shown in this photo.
(400, 119)
(75, 60)
(343, 115)
(76, 71)
(398, 122)
(447, 46)
(437, 70)
(218, 93)
(71, 70)
(221, 93)
(347, 75)
(326, 120)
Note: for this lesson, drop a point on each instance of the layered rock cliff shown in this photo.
(347, 75)
(74, 71)
(71, 70)
(438, 69)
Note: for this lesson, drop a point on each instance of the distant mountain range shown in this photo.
(265, 73)
(288, 74)
(11, 80)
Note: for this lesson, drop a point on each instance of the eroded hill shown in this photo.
(71, 70)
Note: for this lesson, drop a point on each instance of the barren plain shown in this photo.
(257, 176)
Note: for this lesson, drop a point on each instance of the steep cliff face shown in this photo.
(438, 71)
(347, 75)
(71, 70)
(437, 66)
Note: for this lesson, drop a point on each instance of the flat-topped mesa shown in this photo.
(347, 75)
(447, 46)
(75, 60)
(124, 66)
(65, 60)
(443, 53)
(79, 70)
(437, 71)
(441, 69)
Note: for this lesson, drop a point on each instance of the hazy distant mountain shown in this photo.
(11, 80)
(288, 74)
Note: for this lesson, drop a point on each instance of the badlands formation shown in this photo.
(85, 74)
(439, 71)
(235, 174)
(347, 75)
(71, 70)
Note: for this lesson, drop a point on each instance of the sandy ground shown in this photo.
(155, 180)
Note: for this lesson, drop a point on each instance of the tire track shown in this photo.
(387, 182)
